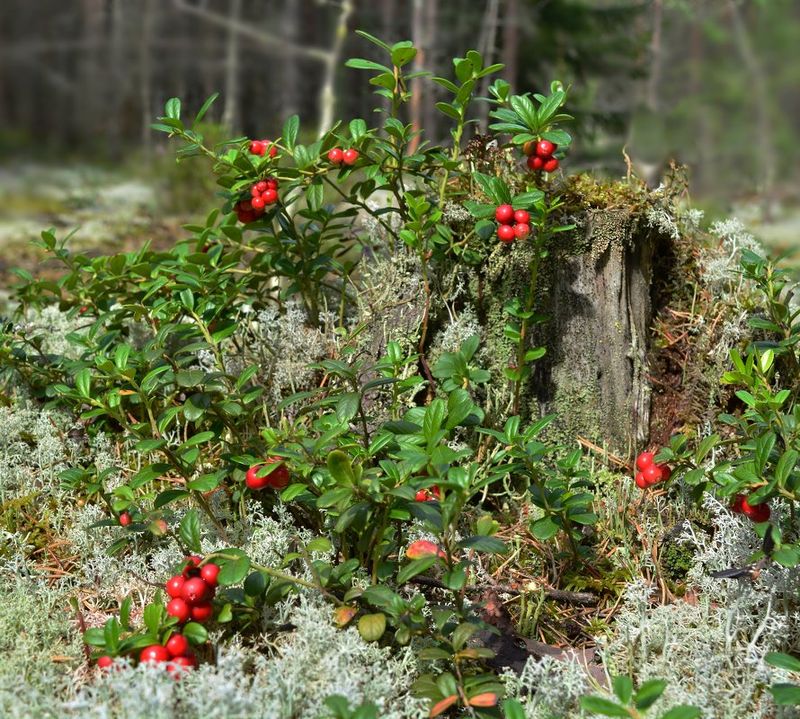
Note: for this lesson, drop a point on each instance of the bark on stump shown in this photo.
(594, 289)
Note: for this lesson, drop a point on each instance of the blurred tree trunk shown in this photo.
(510, 56)
(292, 79)
(706, 141)
(230, 115)
(276, 43)
(145, 73)
(487, 46)
(93, 17)
(654, 79)
(423, 32)
(765, 139)
(116, 79)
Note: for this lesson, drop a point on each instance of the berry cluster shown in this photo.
(540, 155)
(348, 157)
(513, 225)
(192, 591)
(262, 193)
(259, 147)
(278, 478)
(428, 495)
(650, 473)
(755, 512)
(176, 654)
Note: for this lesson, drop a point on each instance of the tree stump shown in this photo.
(594, 290)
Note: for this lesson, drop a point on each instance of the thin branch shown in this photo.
(268, 39)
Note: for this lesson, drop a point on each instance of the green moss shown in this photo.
(676, 559)
(584, 191)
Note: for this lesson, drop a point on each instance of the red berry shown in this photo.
(336, 156)
(202, 612)
(550, 165)
(254, 192)
(179, 608)
(666, 471)
(209, 573)
(105, 661)
(756, 512)
(529, 148)
(644, 460)
(269, 196)
(437, 493)
(175, 585)
(522, 216)
(421, 495)
(259, 187)
(272, 184)
(257, 147)
(506, 233)
(641, 482)
(125, 519)
(191, 566)
(736, 503)
(195, 590)
(154, 653)
(545, 148)
(504, 214)
(246, 217)
(652, 474)
(279, 477)
(252, 480)
(350, 157)
(177, 645)
(272, 149)
(83, 309)
(522, 230)
(258, 203)
(535, 163)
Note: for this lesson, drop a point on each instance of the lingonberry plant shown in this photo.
(377, 448)
(757, 462)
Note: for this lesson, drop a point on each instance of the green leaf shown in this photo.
(787, 556)
(83, 382)
(195, 633)
(347, 406)
(341, 468)
(623, 688)
(189, 531)
(648, 693)
(372, 626)
(684, 711)
(600, 705)
(359, 63)
(374, 40)
(544, 528)
(512, 709)
(173, 108)
(255, 584)
(403, 53)
(417, 566)
(290, 129)
(95, 637)
(204, 109)
(234, 566)
(785, 694)
(480, 543)
(783, 661)
(358, 128)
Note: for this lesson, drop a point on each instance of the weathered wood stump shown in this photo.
(594, 289)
